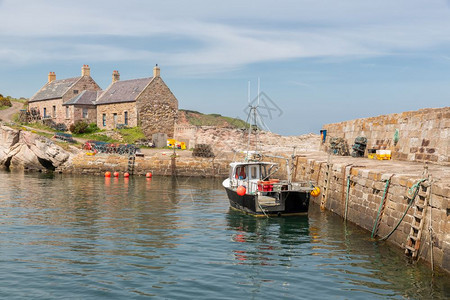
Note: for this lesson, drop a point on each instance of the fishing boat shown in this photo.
(252, 189)
(252, 186)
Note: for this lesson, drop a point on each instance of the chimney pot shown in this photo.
(115, 76)
(85, 70)
(51, 77)
(156, 71)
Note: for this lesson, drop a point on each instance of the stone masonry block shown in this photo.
(355, 171)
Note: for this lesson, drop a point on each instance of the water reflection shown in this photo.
(266, 241)
(350, 253)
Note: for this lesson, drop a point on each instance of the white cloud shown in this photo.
(226, 35)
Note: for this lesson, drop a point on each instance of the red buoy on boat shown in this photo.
(241, 190)
(116, 174)
(126, 175)
(148, 175)
(107, 174)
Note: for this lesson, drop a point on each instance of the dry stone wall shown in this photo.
(424, 135)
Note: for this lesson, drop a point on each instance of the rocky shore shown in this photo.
(27, 151)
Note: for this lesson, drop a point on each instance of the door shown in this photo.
(115, 119)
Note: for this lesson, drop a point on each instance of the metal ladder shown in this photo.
(131, 161)
(327, 183)
(415, 234)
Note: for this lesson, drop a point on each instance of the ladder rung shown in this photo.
(414, 238)
(412, 249)
(418, 216)
(415, 227)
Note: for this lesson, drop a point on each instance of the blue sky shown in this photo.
(319, 61)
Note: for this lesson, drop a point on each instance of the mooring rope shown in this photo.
(412, 193)
(381, 205)
(346, 199)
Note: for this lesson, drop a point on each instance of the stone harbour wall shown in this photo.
(424, 135)
(158, 165)
(366, 190)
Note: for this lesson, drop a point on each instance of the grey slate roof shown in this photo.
(123, 91)
(84, 98)
(54, 89)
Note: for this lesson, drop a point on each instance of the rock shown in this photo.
(23, 150)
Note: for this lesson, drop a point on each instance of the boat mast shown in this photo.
(256, 126)
(249, 119)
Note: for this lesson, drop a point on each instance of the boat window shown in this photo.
(263, 172)
(254, 172)
(240, 172)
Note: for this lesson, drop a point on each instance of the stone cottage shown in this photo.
(145, 102)
(50, 98)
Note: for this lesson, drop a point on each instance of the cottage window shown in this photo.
(104, 120)
(67, 112)
(75, 92)
(45, 112)
(125, 117)
(54, 111)
(85, 113)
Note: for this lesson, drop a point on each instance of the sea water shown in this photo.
(86, 237)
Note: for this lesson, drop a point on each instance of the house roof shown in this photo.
(54, 89)
(123, 91)
(84, 98)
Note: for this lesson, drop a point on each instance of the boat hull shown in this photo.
(295, 203)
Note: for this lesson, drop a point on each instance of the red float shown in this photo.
(126, 175)
(241, 190)
(148, 175)
(116, 174)
(107, 174)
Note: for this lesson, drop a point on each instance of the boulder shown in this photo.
(23, 150)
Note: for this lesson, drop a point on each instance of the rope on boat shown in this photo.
(262, 209)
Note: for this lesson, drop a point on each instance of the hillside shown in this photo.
(217, 120)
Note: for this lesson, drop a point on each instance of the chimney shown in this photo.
(115, 76)
(51, 76)
(156, 71)
(85, 70)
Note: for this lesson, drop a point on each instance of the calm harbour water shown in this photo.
(80, 237)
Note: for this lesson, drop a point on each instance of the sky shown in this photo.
(318, 61)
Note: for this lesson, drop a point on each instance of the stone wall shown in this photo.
(366, 191)
(157, 109)
(91, 113)
(424, 135)
(49, 111)
(116, 108)
(158, 165)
